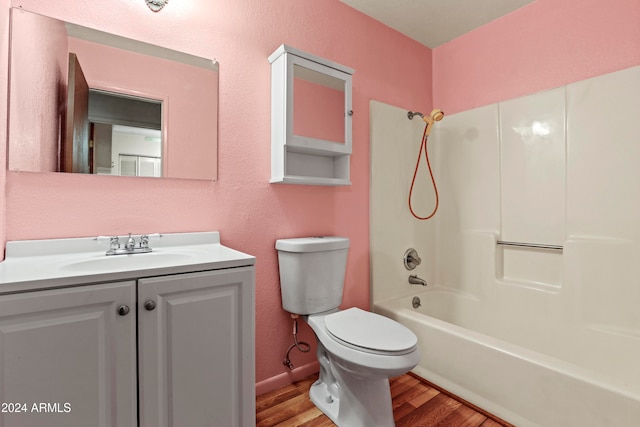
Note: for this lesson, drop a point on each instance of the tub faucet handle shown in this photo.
(411, 259)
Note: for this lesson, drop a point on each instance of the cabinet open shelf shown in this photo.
(314, 169)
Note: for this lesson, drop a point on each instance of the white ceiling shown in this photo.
(434, 22)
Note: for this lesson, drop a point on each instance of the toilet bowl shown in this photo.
(358, 351)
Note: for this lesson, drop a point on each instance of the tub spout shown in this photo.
(415, 280)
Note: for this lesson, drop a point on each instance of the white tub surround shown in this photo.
(556, 169)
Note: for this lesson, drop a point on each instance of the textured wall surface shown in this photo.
(544, 45)
(44, 73)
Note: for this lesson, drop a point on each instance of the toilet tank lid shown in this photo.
(312, 244)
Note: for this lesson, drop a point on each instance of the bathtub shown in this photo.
(475, 359)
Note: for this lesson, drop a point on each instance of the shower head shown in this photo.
(435, 116)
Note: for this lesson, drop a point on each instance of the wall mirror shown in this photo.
(86, 101)
(318, 105)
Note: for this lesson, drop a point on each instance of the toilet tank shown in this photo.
(312, 271)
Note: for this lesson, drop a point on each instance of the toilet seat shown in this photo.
(370, 332)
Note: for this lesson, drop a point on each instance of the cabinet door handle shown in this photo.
(149, 305)
(123, 310)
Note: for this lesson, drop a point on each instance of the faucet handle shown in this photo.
(114, 242)
(411, 259)
(144, 240)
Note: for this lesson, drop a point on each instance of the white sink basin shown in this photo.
(129, 262)
(78, 261)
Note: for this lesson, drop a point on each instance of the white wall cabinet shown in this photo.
(311, 115)
(180, 353)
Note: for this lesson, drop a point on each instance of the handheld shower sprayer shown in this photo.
(435, 116)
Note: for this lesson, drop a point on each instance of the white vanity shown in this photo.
(154, 339)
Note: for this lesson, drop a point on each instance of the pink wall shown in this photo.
(36, 133)
(544, 45)
(318, 111)
(249, 212)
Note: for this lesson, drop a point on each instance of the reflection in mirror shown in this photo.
(318, 105)
(143, 110)
(125, 135)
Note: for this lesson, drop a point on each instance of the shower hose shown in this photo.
(423, 146)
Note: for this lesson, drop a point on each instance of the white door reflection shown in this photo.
(131, 152)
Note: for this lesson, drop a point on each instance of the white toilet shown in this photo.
(358, 351)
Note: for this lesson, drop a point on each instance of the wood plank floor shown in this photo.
(416, 403)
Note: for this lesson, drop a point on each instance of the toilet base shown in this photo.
(351, 400)
(323, 400)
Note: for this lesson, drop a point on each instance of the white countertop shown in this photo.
(43, 264)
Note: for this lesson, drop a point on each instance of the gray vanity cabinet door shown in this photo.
(196, 349)
(67, 357)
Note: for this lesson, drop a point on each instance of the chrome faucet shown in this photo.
(131, 243)
(131, 246)
(415, 280)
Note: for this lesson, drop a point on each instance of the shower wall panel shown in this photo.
(603, 172)
(532, 153)
(395, 143)
(557, 167)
